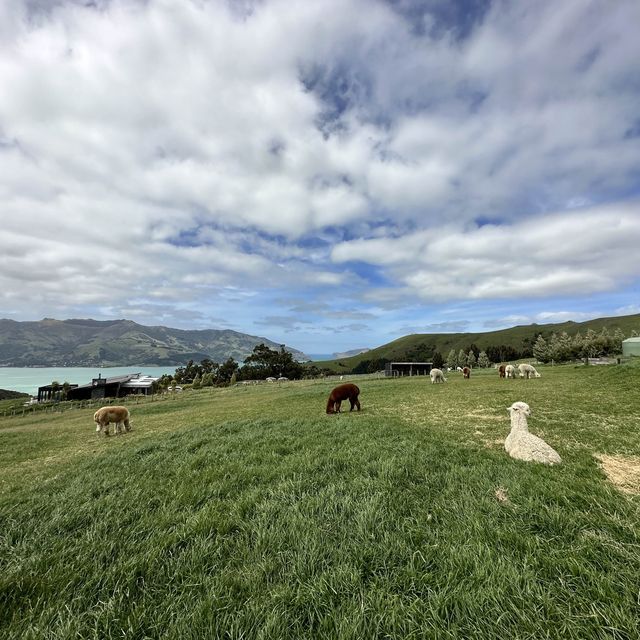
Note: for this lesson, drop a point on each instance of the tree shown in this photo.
(264, 362)
(577, 343)
(207, 380)
(226, 370)
(590, 345)
(197, 382)
(483, 360)
(234, 378)
(618, 337)
(605, 341)
(437, 360)
(452, 359)
(462, 358)
(471, 359)
(541, 349)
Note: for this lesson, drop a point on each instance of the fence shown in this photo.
(69, 405)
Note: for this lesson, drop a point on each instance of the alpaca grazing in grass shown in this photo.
(118, 415)
(522, 445)
(527, 371)
(436, 375)
(466, 373)
(501, 371)
(342, 392)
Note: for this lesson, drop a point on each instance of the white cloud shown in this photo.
(161, 151)
(580, 252)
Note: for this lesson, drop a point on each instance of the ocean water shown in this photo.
(28, 379)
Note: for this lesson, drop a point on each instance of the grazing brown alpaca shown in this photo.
(501, 371)
(342, 392)
(466, 372)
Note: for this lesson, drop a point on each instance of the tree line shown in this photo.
(563, 347)
(262, 363)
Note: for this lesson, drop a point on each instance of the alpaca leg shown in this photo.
(337, 405)
(357, 403)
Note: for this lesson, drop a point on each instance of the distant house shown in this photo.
(395, 369)
(115, 387)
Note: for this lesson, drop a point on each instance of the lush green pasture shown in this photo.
(249, 513)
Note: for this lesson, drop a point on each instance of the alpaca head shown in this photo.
(519, 408)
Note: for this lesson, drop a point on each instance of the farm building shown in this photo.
(395, 369)
(115, 387)
(631, 347)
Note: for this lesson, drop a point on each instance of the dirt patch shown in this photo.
(622, 471)
(501, 496)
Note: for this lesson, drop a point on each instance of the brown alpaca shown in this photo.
(501, 371)
(343, 392)
(118, 415)
(466, 372)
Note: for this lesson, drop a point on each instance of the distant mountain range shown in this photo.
(87, 343)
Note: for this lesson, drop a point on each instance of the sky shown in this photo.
(331, 175)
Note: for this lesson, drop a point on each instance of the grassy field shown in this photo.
(249, 513)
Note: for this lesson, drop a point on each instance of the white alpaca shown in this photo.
(510, 371)
(522, 445)
(527, 371)
(437, 376)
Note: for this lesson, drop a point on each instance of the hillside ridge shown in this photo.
(421, 346)
(78, 342)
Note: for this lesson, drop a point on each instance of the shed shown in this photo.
(396, 369)
(631, 347)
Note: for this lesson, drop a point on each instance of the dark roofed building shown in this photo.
(115, 387)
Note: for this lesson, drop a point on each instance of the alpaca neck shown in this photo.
(518, 422)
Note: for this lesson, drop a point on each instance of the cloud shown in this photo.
(524, 259)
(360, 155)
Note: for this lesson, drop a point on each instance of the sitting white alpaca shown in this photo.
(522, 445)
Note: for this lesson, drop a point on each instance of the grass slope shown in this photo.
(248, 513)
(514, 337)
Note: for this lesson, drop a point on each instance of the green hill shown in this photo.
(421, 346)
(88, 342)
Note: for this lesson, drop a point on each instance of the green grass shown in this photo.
(249, 513)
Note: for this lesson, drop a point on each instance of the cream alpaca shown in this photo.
(527, 371)
(437, 376)
(522, 445)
